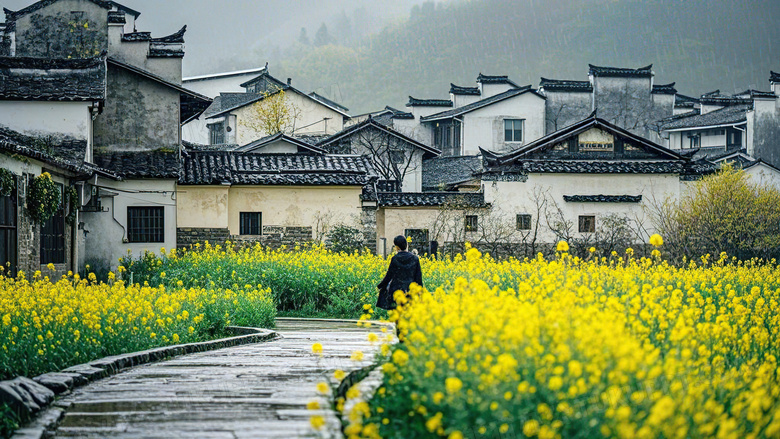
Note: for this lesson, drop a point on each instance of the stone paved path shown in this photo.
(251, 391)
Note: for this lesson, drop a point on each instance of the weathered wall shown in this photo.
(765, 124)
(763, 174)
(565, 108)
(294, 206)
(105, 232)
(140, 114)
(56, 32)
(485, 127)
(626, 102)
(488, 90)
(202, 206)
(43, 119)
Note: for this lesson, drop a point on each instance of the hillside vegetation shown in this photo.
(700, 45)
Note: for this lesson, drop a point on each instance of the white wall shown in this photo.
(488, 90)
(485, 127)
(45, 118)
(104, 232)
(196, 131)
(763, 174)
(461, 100)
(515, 198)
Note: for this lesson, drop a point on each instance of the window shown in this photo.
(735, 138)
(513, 130)
(695, 141)
(53, 236)
(523, 221)
(587, 223)
(472, 223)
(251, 223)
(217, 133)
(446, 137)
(8, 232)
(145, 224)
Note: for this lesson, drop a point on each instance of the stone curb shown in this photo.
(31, 396)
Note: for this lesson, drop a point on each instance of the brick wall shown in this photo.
(273, 236)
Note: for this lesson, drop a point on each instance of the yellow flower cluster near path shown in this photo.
(48, 326)
(567, 348)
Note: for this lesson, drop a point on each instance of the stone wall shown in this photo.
(368, 226)
(273, 236)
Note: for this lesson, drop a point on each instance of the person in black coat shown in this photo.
(404, 269)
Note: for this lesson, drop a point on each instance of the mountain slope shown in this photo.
(701, 45)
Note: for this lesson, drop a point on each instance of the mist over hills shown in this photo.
(702, 46)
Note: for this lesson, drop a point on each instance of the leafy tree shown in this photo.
(273, 114)
(303, 38)
(723, 212)
(322, 37)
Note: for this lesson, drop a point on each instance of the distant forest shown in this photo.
(702, 46)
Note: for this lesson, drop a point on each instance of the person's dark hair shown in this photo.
(400, 242)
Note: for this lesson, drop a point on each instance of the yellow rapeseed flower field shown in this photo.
(571, 348)
(48, 326)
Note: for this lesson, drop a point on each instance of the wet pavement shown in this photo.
(250, 391)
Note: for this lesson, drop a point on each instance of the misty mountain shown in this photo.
(701, 46)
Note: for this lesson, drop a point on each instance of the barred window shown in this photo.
(587, 223)
(217, 133)
(146, 224)
(251, 223)
(472, 223)
(8, 232)
(523, 221)
(53, 236)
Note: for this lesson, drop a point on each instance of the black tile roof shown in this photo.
(37, 79)
(311, 139)
(300, 144)
(724, 116)
(160, 163)
(665, 89)
(398, 114)
(176, 37)
(525, 167)
(264, 75)
(441, 173)
(327, 101)
(495, 79)
(432, 199)
(774, 76)
(371, 123)
(64, 153)
(159, 52)
(620, 72)
(750, 93)
(106, 4)
(137, 36)
(602, 198)
(192, 146)
(683, 101)
(232, 167)
(480, 103)
(468, 91)
(724, 101)
(414, 102)
(117, 17)
(565, 85)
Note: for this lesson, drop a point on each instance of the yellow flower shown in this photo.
(531, 428)
(317, 422)
(339, 374)
(562, 246)
(453, 384)
(316, 348)
(323, 387)
(313, 405)
(400, 358)
(656, 240)
(357, 356)
(372, 337)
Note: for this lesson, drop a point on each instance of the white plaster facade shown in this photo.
(484, 127)
(104, 238)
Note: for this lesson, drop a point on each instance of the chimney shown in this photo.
(289, 81)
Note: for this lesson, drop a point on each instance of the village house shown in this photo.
(717, 124)
(130, 129)
(268, 106)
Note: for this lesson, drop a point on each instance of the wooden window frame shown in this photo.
(145, 224)
(246, 226)
(521, 220)
(471, 223)
(586, 224)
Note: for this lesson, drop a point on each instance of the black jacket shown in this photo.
(404, 269)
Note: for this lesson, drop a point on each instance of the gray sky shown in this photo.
(223, 29)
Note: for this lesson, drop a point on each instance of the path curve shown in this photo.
(250, 391)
